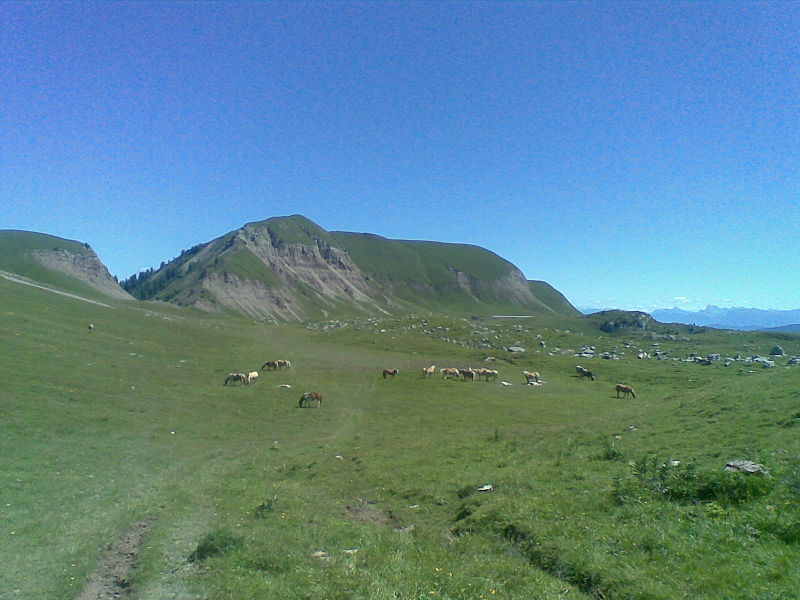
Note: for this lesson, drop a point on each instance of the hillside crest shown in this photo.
(291, 269)
(63, 263)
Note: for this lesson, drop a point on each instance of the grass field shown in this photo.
(376, 495)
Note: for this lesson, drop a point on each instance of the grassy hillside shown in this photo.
(425, 274)
(244, 495)
(17, 249)
(553, 298)
(403, 260)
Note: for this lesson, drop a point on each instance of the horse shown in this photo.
(488, 374)
(252, 377)
(625, 389)
(467, 374)
(390, 373)
(428, 371)
(532, 377)
(232, 378)
(308, 397)
(270, 365)
(284, 364)
(584, 373)
(448, 372)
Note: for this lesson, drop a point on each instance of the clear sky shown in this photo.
(632, 154)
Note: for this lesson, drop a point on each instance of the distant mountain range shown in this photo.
(732, 318)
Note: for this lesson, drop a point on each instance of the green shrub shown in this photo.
(650, 477)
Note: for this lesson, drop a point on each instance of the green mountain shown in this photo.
(289, 268)
(56, 262)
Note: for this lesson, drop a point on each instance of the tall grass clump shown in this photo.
(215, 543)
(650, 478)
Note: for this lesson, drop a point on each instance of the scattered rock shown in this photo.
(746, 466)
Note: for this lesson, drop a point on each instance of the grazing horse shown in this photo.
(449, 372)
(428, 371)
(232, 378)
(532, 377)
(390, 373)
(308, 397)
(625, 389)
(488, 374)
(270, 365)
(467, 374)
(584, 373)
(284, 364)
(252, 377)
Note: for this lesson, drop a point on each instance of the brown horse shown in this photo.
(625, 389)
(584, 373)
(308, 397)
(270, 365)
(390, 373)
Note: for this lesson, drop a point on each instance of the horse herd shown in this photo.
(531, 377)
(251, 378)
(468, 374)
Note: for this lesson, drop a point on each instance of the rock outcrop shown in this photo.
(87, 267)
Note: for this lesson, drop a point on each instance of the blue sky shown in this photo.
(632, 154)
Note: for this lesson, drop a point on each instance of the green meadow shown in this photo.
(404, 488)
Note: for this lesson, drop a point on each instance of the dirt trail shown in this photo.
(111, 579)
(19, 279)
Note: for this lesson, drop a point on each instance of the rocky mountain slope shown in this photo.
(289, 268)
(66, 264)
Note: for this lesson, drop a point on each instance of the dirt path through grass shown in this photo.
(111, 579)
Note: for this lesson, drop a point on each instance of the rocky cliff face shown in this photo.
(86, 267)
(317, 263)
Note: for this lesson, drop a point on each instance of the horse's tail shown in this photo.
(633, 393)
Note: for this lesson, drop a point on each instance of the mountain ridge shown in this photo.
(289, 268)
